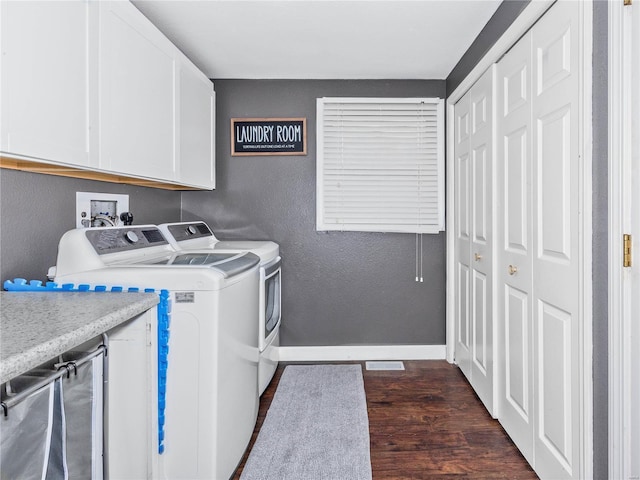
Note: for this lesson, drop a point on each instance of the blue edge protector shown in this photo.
(164, 319)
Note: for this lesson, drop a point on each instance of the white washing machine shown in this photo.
(197, 235)
(211, 386)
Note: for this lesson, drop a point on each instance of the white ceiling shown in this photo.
(321, 39)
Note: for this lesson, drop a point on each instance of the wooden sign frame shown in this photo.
(268, 136)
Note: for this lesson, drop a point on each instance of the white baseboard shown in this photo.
(362, 352)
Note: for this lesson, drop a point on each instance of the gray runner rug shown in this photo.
(316, 428)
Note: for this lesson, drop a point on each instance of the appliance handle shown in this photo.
(64, 369)
(272, 267)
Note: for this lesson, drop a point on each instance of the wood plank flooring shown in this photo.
(427, 423)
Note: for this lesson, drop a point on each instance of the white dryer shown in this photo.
(197, 235)
(211, 380)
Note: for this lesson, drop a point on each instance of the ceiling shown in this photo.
(321, 39)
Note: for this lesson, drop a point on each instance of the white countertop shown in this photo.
(37, 326)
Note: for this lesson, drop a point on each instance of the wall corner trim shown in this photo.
(361, 352)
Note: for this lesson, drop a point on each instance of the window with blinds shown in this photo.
(380, 164)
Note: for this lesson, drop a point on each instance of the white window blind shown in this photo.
(380, 164)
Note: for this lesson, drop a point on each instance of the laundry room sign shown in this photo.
(268, 136)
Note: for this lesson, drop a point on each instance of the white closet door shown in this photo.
(481, 241)
(474, 239)
(513, 273)
(556, 240)
(462, 235)
(539, 254)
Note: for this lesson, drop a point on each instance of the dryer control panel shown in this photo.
(189, 231)
(112, 240)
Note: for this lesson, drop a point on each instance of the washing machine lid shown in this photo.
(266, 250)
(197, 235)
(229, 263)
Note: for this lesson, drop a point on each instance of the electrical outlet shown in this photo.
(100, 209)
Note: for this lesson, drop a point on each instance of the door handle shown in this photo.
(512, 269)
(477, 256)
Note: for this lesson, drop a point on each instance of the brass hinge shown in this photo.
(626, 239)
(628, 2)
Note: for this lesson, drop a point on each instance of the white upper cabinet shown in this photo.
(97, 86)
(197, 125)
(137, 104)
(46, 75)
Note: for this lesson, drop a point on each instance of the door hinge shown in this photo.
(626, 250)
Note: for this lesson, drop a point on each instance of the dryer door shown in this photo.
(270, 302)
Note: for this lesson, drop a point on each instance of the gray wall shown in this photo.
(600, 241)
(36, 209)
(503, 17)
(338, 288)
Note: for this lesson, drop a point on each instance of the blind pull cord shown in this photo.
(419, 257)
(417, 278)
(421, 262)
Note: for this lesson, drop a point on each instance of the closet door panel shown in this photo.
(462, 170)
(481, 201)
(556, 179)
(515, 164)
(463, 235)
(554, 187)
(463, 315)
(517, 379)
(513, 271)
(553, 390)
(481, 143)
(481, 319)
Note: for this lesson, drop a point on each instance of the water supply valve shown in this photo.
(126, 218)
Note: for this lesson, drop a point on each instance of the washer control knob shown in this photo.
(191, 230)
(131, 236)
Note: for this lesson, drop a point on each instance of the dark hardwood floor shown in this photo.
(427, 423)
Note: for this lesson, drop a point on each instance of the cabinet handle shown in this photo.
(512, 270)
(478, 257)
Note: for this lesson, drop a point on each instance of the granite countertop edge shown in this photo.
(35, 355)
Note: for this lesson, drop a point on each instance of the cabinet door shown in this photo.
(45, 80)
(132, 443)
(196, 125)
(137, 102)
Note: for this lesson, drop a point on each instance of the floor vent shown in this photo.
(385, 366)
